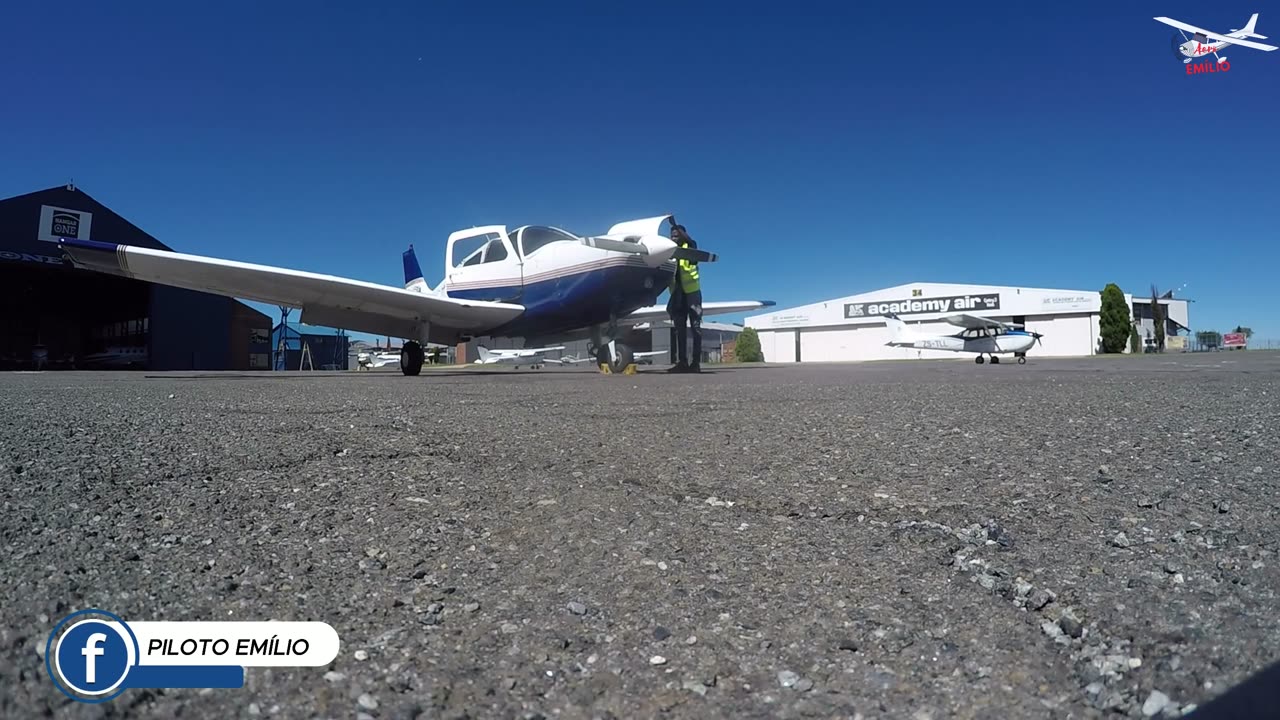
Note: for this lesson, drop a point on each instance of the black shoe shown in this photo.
(694, 369)
(678, 368)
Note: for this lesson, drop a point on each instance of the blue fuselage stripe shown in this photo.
(575, 301)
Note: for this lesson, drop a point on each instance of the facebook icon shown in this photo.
(90, 652)
(92, 658)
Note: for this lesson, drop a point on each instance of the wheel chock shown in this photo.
(630, 369)
(604, 368)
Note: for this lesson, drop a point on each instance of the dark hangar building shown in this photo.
(59, 317)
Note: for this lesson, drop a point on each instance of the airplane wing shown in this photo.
(324, 299)
(523, 352)
(570, 360)
(1211, 34)
(973, 322)
(659, 312)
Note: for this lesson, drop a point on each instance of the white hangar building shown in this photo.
(853, 328)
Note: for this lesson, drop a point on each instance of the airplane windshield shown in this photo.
(534, 237)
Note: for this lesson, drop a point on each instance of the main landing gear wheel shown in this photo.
(979, 359)
(995, 360)
(411, 358)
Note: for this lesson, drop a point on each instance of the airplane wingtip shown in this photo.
(88, 244)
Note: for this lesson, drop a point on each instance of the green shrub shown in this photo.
(1114, 324)
(747, 349)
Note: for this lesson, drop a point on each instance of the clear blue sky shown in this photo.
(821, 149)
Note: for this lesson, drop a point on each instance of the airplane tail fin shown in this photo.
(484, 354)
(898, 331)
(1248, 30)
(413, 279)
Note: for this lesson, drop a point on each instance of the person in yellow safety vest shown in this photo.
(685, 306)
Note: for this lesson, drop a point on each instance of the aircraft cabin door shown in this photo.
(546, 252)
(482, 264)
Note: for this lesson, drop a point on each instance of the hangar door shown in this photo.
(828, 345)
(780, 345)
(1064, 335)
(842, 344)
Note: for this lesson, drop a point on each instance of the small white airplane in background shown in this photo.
(640, 358)
(1198, 45)
(646, 358)
(377, 358)
(980, 335)
(515, 356)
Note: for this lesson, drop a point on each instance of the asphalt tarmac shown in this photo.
(933, 539)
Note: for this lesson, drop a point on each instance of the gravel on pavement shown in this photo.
(1067, 538)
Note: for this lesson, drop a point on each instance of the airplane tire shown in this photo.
(979, 359)
(995, 360)
(1022, 361)
(625, 358)
(411, 358)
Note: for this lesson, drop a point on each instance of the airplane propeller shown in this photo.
(694, 255)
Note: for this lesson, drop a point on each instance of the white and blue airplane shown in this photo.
(538, 283)
(980, 335)
(1207, 42)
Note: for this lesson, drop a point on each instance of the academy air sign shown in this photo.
(919, 306)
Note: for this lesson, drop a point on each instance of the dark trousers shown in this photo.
(686, 314)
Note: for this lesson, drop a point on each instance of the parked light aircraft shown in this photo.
(533, 357)
(515, 356)
(377, 358)
(980, 335)
(1198, 45)
(540, 283)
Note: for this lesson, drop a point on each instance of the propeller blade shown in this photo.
(694, 255)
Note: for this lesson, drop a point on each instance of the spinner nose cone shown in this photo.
(660, 250)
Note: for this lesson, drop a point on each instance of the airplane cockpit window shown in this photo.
(495, 251)
(470, 250)
(536, 236)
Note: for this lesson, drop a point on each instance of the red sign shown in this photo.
(1233, 340)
